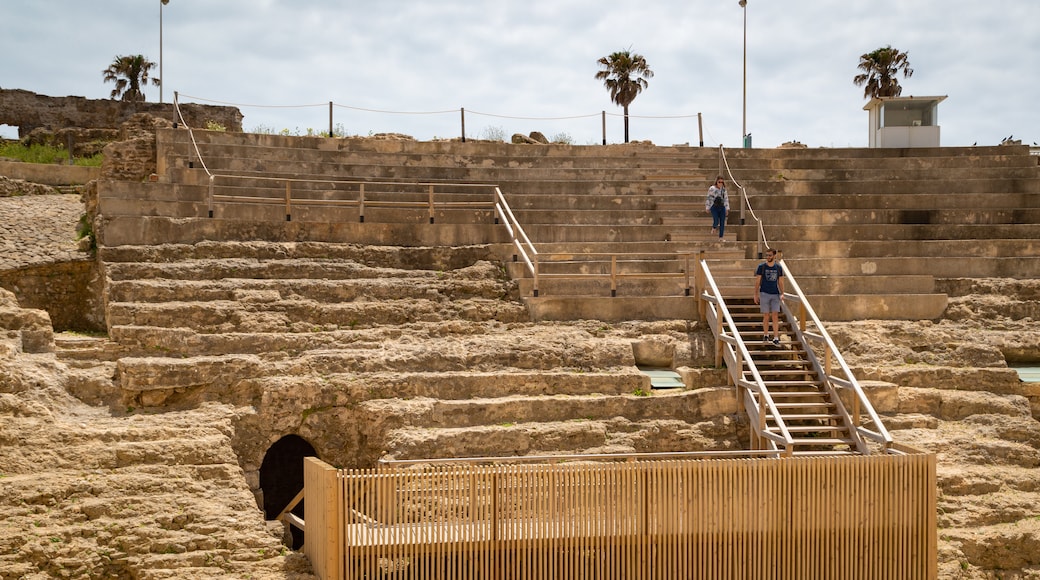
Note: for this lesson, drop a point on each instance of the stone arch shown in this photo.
(281, 478)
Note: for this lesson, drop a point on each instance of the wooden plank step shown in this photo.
(806, 417)
(764, 373)
(804, 405)
(824, 441)
(814, 428)
(794, 384)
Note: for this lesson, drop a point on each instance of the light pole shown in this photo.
(161, 4)
(743, 137)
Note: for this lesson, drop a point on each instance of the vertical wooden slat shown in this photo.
(804, 517)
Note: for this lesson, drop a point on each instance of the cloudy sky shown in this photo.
(409, 66)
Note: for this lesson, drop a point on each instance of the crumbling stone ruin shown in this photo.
(225, 348)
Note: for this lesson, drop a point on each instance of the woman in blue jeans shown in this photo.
(717, 204)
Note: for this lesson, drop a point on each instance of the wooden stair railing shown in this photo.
(793, 400)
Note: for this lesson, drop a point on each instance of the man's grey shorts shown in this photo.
(769, 302)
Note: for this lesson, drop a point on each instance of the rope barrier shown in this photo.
(441, 112)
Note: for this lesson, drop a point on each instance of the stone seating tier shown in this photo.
(820, 201)
(406, 334)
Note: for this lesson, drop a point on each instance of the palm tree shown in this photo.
(130, 74)
(880, 69)
(624, 74)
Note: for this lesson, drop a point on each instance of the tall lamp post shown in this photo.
(161, 4)
(743, 138)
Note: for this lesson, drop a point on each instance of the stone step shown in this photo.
(295, 269)
(259, 313)
(411, 352)
(857, 232)
(465, 385)
(358, 150)
(601, 287)
(958, 267)
(317, 166)
(979, 248)
(248, 289)
(147, 230)
(403, 257)
(637, 405)
(953, 216)
(626, 182)
(618, 435)
(873, 193)
(549, 307)
(440, 335)
(650, 248)
(504, 154)
(952, 168)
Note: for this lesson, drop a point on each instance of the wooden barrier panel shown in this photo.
(322, 514)
(802, 517)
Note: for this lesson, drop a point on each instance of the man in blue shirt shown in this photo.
(769, 293)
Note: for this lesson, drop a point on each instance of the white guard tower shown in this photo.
(904, 121)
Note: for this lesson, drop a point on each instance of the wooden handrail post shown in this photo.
(210, 194)
(535, 262)
(288, 200)
(686, 271)
(699, 284)
(613, 276)
(432, 212)
(361, 203)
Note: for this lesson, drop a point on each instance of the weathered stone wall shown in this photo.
(27, 111)
(49, 174)
(70, 292)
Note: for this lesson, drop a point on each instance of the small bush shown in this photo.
(493, 134)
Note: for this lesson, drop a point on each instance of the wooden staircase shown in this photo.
(799, 396)
(809, 413)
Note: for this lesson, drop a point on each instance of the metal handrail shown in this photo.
(713, 296)
(880, 435)
(745, 202)
(525, 248)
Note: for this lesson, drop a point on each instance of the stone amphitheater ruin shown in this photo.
(155, 393)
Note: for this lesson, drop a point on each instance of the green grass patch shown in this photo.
(45, 154)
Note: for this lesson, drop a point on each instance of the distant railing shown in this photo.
(765, 518)
(360, 194)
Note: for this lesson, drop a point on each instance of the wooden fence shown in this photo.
(802, 517)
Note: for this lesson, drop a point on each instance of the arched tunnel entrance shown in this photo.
(281, 478)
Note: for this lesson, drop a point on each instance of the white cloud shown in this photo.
(537, 59)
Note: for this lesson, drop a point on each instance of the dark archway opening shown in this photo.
(281, 478)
